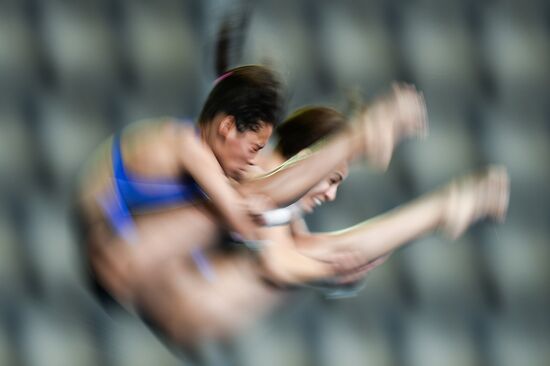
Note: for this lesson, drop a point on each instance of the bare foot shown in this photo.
(474, 197)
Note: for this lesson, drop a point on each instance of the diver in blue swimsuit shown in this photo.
(121, 183)
(164, 164)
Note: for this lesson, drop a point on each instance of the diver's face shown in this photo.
(240, 149)
(325, 190)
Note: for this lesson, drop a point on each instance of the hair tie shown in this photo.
(223, 76)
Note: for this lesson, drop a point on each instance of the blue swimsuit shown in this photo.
(132, 193)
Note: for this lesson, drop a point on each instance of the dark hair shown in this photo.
(251, 94)
(305, 127)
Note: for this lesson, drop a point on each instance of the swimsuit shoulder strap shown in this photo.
(118, 163)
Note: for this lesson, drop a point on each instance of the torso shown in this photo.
(161, 233)
(237, 296)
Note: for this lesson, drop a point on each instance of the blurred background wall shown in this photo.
(74, 71)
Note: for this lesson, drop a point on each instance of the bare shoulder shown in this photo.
(183, 142)
(175, 130)
(163, 133)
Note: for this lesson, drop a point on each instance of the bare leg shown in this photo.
(120, 266)
(190, 309)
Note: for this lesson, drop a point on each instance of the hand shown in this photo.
(412, 119)
(256, 205)
(474, 197)
(388, 120)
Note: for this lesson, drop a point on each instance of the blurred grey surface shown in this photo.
(73, 72)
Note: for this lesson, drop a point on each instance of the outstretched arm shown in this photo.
(364, 246)
(307, 257)
(373, 134)
(382, 234)
(452, 208)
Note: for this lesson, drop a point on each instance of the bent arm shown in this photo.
(199, 162)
